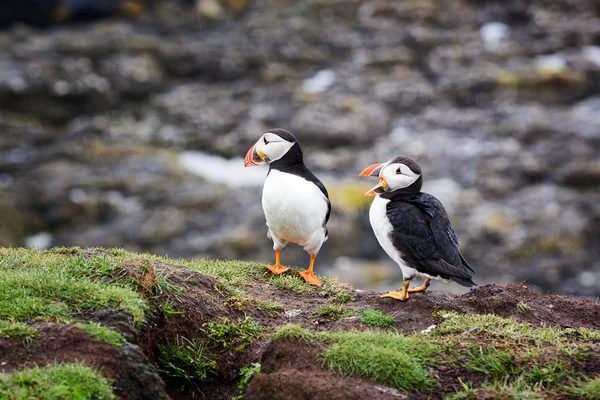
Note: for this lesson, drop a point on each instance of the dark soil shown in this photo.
(133, 377)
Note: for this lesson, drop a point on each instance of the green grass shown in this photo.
(331, 311)
(522, 306)
(36, 285)
(390, 358)
(232, 335)
(588, 389)
(489, 361)
(102, 333)
(294, 331)
(15, 329)
(186, 359)
(246, 375)
(373, 317)
(343, 297)
(56, 382)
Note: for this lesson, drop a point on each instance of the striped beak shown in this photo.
(253, 158)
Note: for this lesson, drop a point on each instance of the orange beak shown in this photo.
(373, 170)
(380, 188)
(251, 156)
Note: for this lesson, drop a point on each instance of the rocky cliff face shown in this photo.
(498, 101)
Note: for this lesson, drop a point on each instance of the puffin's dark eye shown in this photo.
(265, 140)
(398, 172)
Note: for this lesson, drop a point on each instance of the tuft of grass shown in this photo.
(547, 376)
(240, 300)
(102, 333)
(246, 375)
(330, 311)
(56, 382)
(186, 359)
(587, 390)
(15, 329)
(373, 317)
(293, 331)
(290, 281)
(488, 361)
(39, 285)
(343, 297)
(522, 306)
(232, 335)
(389, 358)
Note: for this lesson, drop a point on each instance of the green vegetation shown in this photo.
(343, 297)
(232, 335)
(392, 359)
(373, 317)
(330, 311)
(187, 359)
(519, 360)
(37, 285)
(15, 329)
(240, 300)
(55, 382)
(516, 360)
(102, 333)
(246, 373)
(294, 331)
(588, 390)
(524, 306)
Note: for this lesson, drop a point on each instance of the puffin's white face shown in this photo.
(270, 147)
(393, 175)
(398, 176)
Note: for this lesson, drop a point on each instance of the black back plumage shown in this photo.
(425, 237)
(293, 163)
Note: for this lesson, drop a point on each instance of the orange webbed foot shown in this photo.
(401, 295)
(309, 277)
(277, 269)
(421, 288)
(396, 295)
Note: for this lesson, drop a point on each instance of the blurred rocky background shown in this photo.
(125, 125)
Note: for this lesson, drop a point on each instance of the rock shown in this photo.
(338, 121)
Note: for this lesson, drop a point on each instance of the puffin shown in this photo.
(295, 202)
(413, 227)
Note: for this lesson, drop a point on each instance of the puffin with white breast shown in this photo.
(413, 227)
(296, 203)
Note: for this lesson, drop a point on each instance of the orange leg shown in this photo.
(308, 274)
(421, 288)
(277, 268)
(401, 295)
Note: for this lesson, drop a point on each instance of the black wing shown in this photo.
(424, 236)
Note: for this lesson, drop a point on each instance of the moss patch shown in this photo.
(38, 285)
(393, 359)
(15, 329)
(373, 317)
(54, 382)
(103, 333)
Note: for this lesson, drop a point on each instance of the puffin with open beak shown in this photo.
(295, 202)
(413, 227)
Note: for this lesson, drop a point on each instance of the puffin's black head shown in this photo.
(400, 174)
(273, 145)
